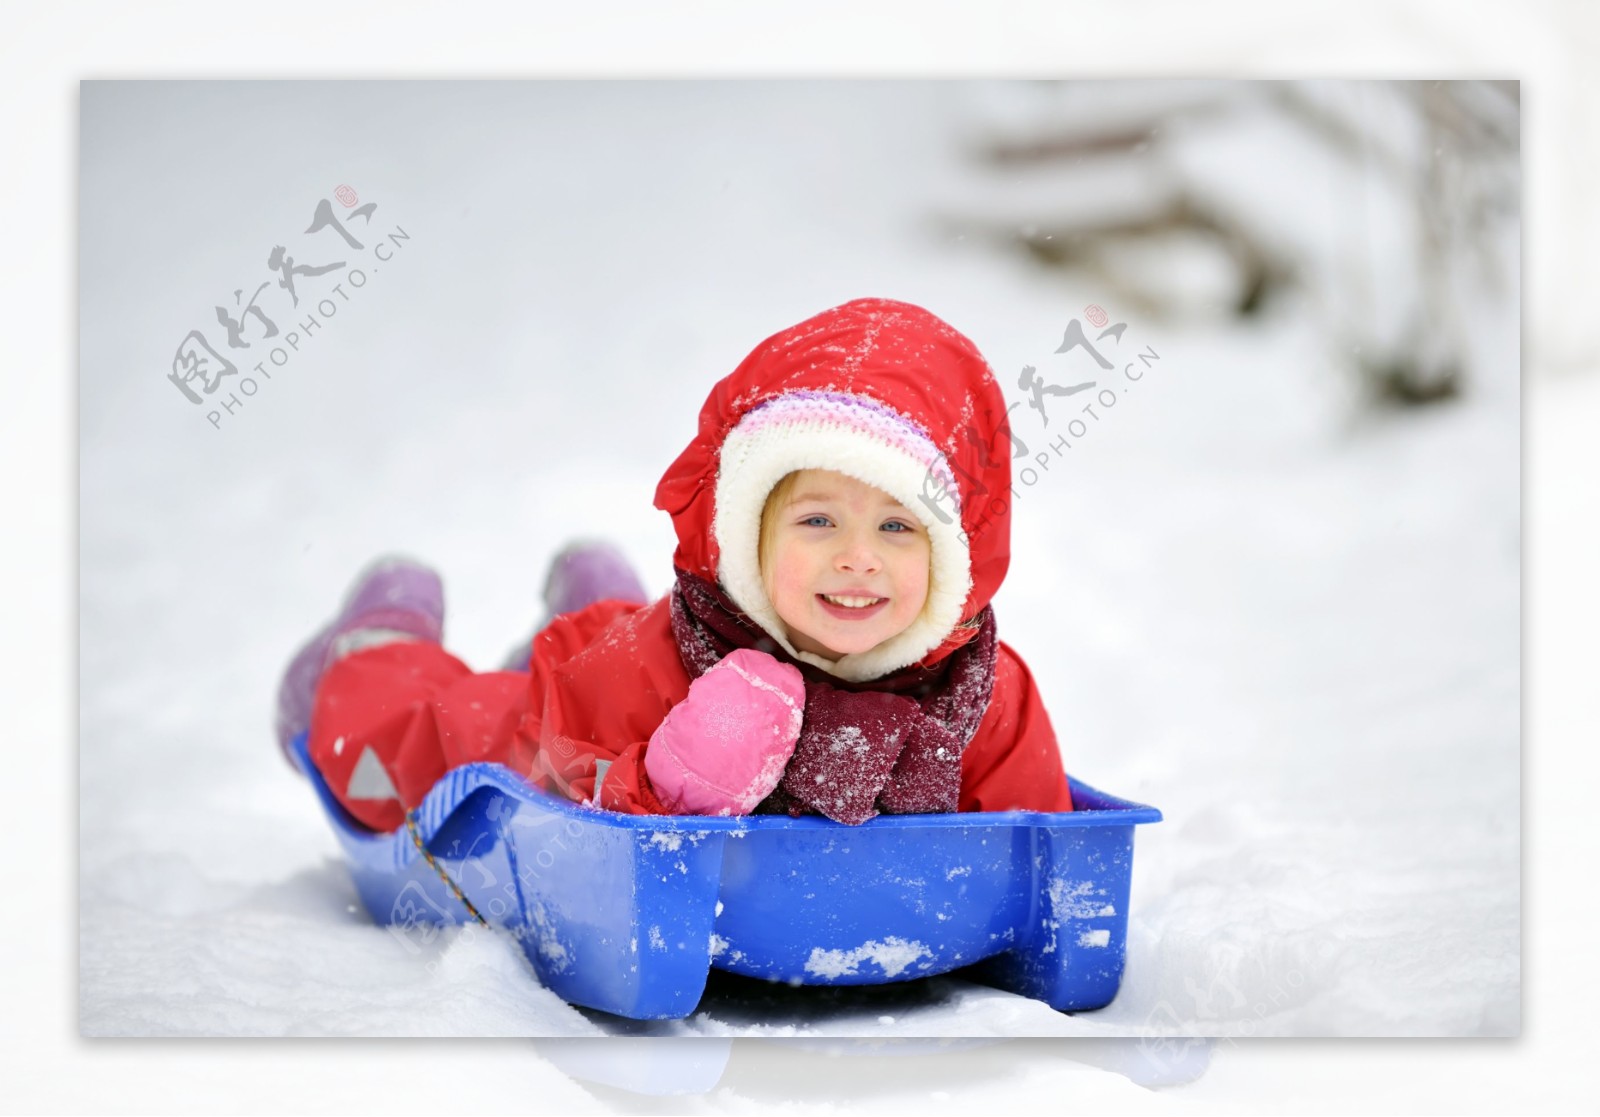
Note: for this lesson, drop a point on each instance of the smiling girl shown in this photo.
(845, 564)
(827, 646)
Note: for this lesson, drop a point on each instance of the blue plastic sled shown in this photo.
(629, 913)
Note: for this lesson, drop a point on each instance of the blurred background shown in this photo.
(1273, 590)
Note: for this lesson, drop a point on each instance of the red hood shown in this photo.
(899, 355)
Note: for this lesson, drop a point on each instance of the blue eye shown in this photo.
(901, 528)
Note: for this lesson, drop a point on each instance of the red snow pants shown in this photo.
(419, 711)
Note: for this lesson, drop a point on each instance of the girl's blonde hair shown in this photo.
(768, 541)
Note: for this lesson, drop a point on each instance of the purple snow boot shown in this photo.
(583, 572)
(392, 599)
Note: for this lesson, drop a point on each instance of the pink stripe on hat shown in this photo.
(859, 413)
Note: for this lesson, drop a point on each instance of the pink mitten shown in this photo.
(724, 747)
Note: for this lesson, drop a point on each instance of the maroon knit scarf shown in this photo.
(892, 744)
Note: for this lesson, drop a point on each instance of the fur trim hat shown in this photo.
(862, 438)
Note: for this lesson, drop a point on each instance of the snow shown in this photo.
(1076, 900)
(892, 955)
(1293, 629)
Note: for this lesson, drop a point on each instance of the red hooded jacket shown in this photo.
(602, 679)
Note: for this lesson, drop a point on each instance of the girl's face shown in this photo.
(835, 538)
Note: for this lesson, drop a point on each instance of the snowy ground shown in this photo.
(1294, 632)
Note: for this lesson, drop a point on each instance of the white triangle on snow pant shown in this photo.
(370, 780)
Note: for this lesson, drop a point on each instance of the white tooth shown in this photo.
(852, 602)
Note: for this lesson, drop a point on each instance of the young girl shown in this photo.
(843, 520)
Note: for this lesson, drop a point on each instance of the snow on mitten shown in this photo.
(847, 748)
(927, 777)
(723, 748)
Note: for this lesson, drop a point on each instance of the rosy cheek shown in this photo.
(789, 584)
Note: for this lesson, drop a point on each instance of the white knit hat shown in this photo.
(875, 444)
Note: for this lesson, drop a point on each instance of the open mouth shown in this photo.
(851, 608)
